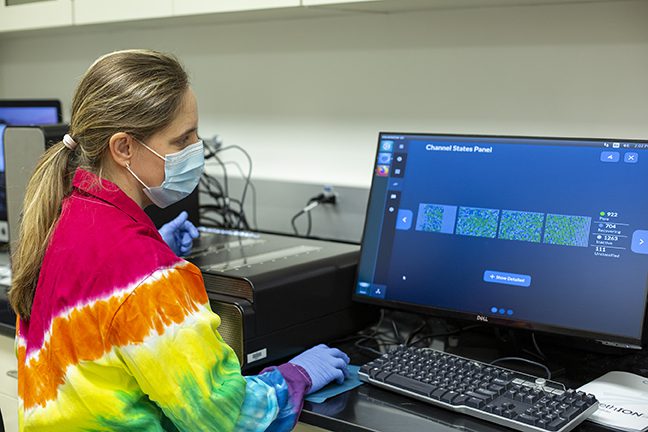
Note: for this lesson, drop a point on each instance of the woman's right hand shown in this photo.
(323, 365)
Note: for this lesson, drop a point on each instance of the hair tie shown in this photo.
(69, 142)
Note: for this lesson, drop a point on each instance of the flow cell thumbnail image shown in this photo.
(436, 218)
(478, 222)
(567, 230)
(522, 226)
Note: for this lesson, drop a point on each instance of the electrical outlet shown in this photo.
(329, 195)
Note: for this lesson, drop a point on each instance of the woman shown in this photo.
(115, 331)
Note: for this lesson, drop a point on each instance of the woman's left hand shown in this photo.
(179, 234)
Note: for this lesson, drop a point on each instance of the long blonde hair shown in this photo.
(138, 92)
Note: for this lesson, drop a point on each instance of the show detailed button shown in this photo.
(507, 278)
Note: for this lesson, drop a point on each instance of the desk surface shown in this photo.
(371, 409)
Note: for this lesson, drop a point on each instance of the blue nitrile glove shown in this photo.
(179, 234)
(323, 365)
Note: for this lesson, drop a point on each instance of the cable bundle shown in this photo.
(225, 211)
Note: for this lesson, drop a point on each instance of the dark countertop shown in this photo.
(370, 409)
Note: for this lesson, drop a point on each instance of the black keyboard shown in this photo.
(492, 393)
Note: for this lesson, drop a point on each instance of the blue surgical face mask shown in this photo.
(182, 171)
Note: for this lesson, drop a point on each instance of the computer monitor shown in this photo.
(23, 112)
(546, 234)
(30, 112)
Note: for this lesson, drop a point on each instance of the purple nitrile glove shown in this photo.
(323, 365)
(179, 234)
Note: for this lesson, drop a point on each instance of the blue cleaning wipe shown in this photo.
(334, 389)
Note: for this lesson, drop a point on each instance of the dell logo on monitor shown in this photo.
(482, 318)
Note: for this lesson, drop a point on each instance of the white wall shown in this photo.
(307, 97)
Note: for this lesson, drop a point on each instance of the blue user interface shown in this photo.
(544, 231)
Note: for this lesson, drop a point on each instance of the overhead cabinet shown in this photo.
(333, 2)
(16, 15)
(34, 14)
(102, 11)
(195, 7)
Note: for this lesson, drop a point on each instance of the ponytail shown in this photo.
(50, 183)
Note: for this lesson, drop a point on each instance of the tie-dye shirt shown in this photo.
(122, 337)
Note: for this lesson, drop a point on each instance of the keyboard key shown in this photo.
(557, 424)
(550, 417)
(496, 388)
(544, 400)
(509, 414)
(449, 396)
(581, 405)
(487, 392)
(460, 400)
(502, 382)
(508, 405)
(526, 418)
(489, 407)
(570, 413)
(475, 403)
(380, 376)
(436, 394)
(479, 396)
(499, 410)
(410, 384)
(510, 394)
(530, 398)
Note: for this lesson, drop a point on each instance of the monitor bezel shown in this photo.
(608, 339)
(35, 103)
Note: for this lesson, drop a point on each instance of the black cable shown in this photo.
(224, 212)
(254, 193)
(535, 344)
(241, 221)
(213, 189)
(414, 332)
(359, 345)
(310, 223)
(312, 203)
(520, 359)
(247, 180)
(220, 194)
(217, 195)
(396, 332)
(294, 218)
(225, 179)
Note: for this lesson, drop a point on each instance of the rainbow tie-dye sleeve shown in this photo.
(166, 335)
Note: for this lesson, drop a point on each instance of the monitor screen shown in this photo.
(29, 115)
(22, 112)
(547, 234)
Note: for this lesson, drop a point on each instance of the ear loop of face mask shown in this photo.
(128, 167)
